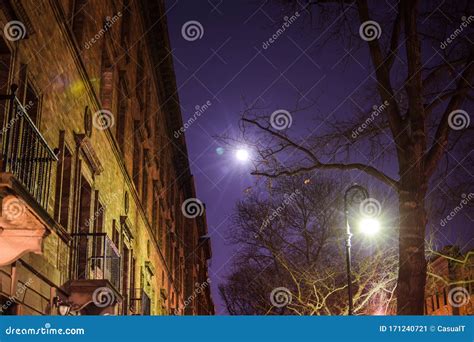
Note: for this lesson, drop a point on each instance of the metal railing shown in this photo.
(24, 151)
(140, 303)
(97, 258)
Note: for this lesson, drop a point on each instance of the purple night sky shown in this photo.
(229, 67)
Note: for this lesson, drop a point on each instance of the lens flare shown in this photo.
(369, 226)
(242, 155)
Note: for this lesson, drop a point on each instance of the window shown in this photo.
(161, 223)
(115, 234)
(78, 19)
(122, 106)
(148, 115)
(98, 227)
(136, 156)
(85, 206)
(140, 80)
(106, 81)
(28, 96)
(154, 211)
(5, 66)
(63, 184)
(126, 278)
(125, 34)
(132, 290)
(99, 210)
(145, 180)
(168, 245)
(85, 197)
(146, 304)
(31, 103)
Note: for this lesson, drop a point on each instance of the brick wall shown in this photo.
(80, 60)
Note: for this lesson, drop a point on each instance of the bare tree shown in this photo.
(291, 257)
(422, 61)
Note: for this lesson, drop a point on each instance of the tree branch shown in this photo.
(394, 40)
(383, 77)
(318, 165)
(442, 133)
(334, 166)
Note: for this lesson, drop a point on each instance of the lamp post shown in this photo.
(359, 190)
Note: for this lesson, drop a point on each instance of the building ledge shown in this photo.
(23, 222)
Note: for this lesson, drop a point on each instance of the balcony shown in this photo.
(25, 169)
(140, 302)
(25, 153)
(95, 284)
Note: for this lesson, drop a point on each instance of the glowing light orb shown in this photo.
(369, 226)
(242, 155)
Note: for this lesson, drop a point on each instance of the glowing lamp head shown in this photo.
(369, 226)
(242, 155)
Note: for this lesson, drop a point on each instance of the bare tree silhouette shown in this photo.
(422, 68)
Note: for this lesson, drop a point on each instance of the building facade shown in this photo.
(92, 178)
(450, 283)
(449, 288)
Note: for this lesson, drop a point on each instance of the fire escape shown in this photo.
(25, 169)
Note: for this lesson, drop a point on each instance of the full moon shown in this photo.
(242, 155)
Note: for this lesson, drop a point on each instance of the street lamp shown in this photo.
(368, 225)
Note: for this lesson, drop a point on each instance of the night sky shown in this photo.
(229, 67)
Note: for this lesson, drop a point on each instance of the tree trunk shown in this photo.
(412, 263)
